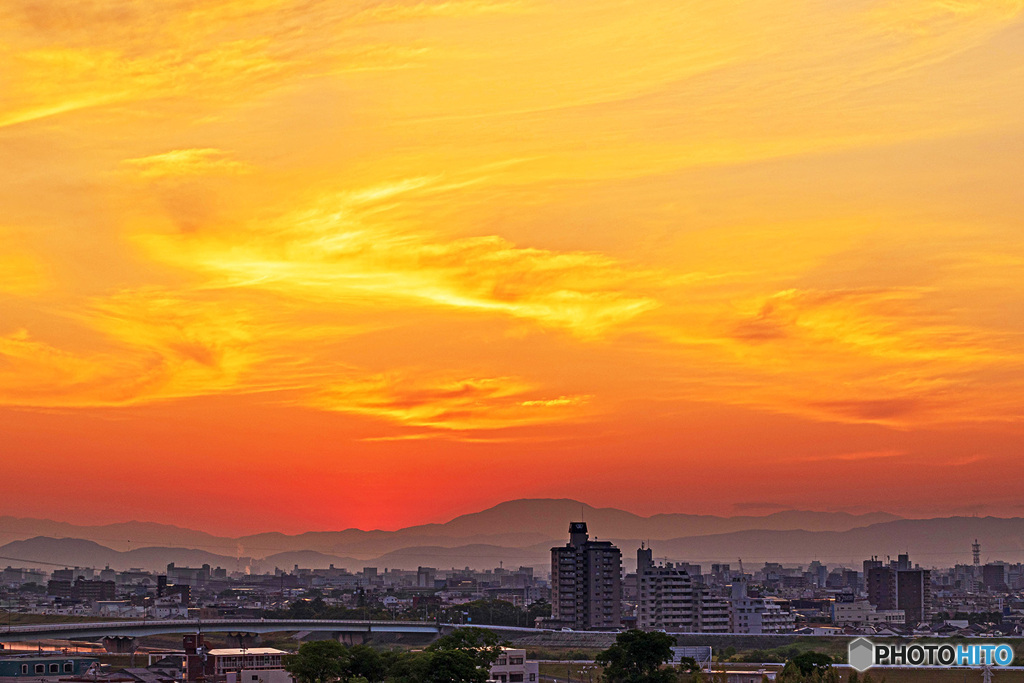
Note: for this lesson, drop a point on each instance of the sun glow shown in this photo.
(612, 245)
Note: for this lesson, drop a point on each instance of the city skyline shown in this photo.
(306, 266)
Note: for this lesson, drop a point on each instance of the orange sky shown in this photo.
(281, 264)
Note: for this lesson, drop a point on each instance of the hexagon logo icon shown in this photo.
(861, 654)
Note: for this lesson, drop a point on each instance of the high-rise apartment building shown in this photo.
(671, 597)
(586, 582)
(910, 590)
(881, 585)
(914, 594)
(993, 577)
(665, 600)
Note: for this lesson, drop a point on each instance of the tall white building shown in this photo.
(665, 599)
(669, 599)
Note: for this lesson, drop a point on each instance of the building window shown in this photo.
(515, 678)
(55, 668)
(515, 660)
(24, 669)
(533, 677)
(40, 669)
(69, 667)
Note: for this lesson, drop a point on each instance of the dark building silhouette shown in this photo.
(914, 594)
(644, 559)
(881, 583)
(907, 589)
(993, 577)
(586, 582)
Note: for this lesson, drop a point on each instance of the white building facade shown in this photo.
(511, 666)
(757, 615)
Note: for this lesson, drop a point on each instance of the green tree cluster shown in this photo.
(463, 656)
(316, 608)
(497, 613)
(638, 657)
(484, 612)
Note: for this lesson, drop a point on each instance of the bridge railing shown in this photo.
(200, 623)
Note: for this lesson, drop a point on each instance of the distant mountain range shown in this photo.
(521, 532)
(517, 523)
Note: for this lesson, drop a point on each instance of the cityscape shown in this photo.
(511, 341)
(587, 595)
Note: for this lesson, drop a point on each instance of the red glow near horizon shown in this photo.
(420, 258)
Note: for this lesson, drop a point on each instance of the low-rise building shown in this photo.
(43, 666)
(215, 665)
(863, 613)
(757, 615)
(511, 666)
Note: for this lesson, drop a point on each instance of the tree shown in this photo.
(811, 662)
(688, 665)
(482, 645)
(637, 656)
(406, 667)
(453, 666)
(791, 674)
(319, 661)
(363, 661)
(541, 608)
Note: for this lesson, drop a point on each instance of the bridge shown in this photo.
(121, 636)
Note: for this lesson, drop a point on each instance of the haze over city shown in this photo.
(297, 266)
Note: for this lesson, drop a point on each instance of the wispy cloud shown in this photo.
(346, 248)
(186, 162)
(409, 398)
(858, 456)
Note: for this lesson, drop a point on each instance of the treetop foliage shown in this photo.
(463, 656)
(637, 657)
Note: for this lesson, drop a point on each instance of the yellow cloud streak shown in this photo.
(163, 348)
(103, 52)
(880, 356)
(345, 250)
(410, 399)
(186, 162)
